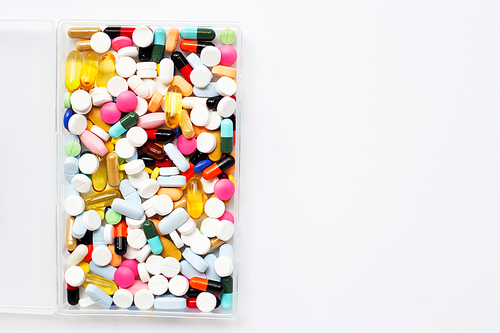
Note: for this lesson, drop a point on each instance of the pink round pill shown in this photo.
(227, 55)
(186, 146)
(120, 42)
(110, 113)
(227, 216)
(124, 277)
(132, 265)
(126, 101)
(224, 189)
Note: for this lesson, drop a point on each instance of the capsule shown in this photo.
(108, 286)
(226, 136)
(173, 107)
(152, 150)
(72, 294)
(195, 197)
(198, 33)
(73, 70)
(189, 172)
(87, 240)
(101, 199)
(89, 70)
(124, 124)
(152, 236)
(191, 302)
(212, 102)
(112, 168)
(158, 45)
(116, 260)
(202, 165)
(163, 135)
(83, 45)
(182, 65)
(218, 167)
(70, 240)
(227, 296)
(100, 177)
(82, 32)
(181, 203)
(216, 154)
(186, 125)
(121, 238)
(145, 53)
(198, 156)
(194, 46)
(114, 32)
(215, 243)
(210, 286)
(106, 69)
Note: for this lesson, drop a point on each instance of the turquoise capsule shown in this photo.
(227, 296)
(152, 236)
(124, 124)
(197, 33)
(158, 45)
(226, 136)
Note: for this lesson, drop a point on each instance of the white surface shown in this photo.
(404, 126)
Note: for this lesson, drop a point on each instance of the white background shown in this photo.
(370, 179)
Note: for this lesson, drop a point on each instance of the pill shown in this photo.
(223, 266)
(189, 271)
(209, 227)
(176, 156)
(82, 32)
(72, 294)
(127, 208)
(142, 36)
(132, 223)
(124, 277)
(169, 171)
(187, 227)
(227, 296)
(125, 123)
(153, 264)
(128, 51)
(178, 285)
(136, 238)
(228, 55)
(224, 189)
(106, 69)
(143, 272)
(224, 71)
(99, 296)
(206, 142)
(100, 42)
(210, 272)
(226, 86)
(226, 107)
(158, 284)
(73, 69)
(200, 116)
(176, 239)
(81, 102)
(83, 45)
(214, 207)
(116, 85)
(77, 255)
(172, 38)
(81, 183)
(144, 299)
(200, 244)
(123, 298)
(194, 46)
(169, 302)
(182, 65)
(101, 255)
(198, 33)
(91, 220)
(218, 167)
(206, 285)
(138, 86)
(195, 260)
(186, 237)
(125, 67)
(151, 235)
(88, 73)
(163, 205)
(206, 302)
(210, 56)
(227, 36)
(225, 230)
(143, 253)
(137, 179)
(166, 70)
(158, 44)
(209, 91)
(185, 87)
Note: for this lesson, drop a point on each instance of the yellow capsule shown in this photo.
(70, 240)
(186, 125)
(88, 73)
(73, 69)
(216, 154)
(155, 173)
(106, 69)
(95, 116)
(231, 178)
(109, 146)
(173, 107)
(148, 170)
(121, 176)
(112, 167)
(100, 177)
(101, 199)
(115, 140)
(108, 286)
(121, 167)
(85, 266)
(101, 212)
(194, 197)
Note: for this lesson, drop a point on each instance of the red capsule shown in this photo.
(90, 248)
(189, 172)
(152, 150)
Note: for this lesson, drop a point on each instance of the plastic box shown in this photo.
(32, 230)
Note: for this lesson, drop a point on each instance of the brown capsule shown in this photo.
(216, 154)
(70, 240)
(215, 243)
(153, 150)
(82, 32)
(83, 45)
(112, 166)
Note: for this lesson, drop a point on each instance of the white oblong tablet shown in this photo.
(137, 179)
(81, 101)
(143, 253)
(176, 239)
(85, 301)
(101, 255)
(153, 264)
(226, 86)
(166, 74)
(100, 42)
(200, 76)
(208, 184)
(74, 276)
(169, 171)
(225, 230)
(74, 205)
(124, 149)
(136, 238)
(210, 56)
(158, 284)
(142, 36)
(186, 238)
(170, 267)
(142, 107)
(214, 122)
(128, 51)
(214, 208)
(117, 85)
(206, 142)
(147, 74)
(88, 164)
(100, 132)
(164, 204)
(178, 285)
(148, 188)
(98, 91)
(134, 167)
(200, 244)
(209, 227)
(188, 227)
(123, 298)
(143, 272)
(200, 116)
(91, 220)
(81, 183)
(223, 266)
(126, 67)
(206, 302)
(77, 124)
(144, 299)
(135, 223)
(148, 65)
(109, 233)
(226, 106)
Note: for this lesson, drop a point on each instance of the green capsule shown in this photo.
(158, 45)
(226, 136)
(198, 33)
(121, 126)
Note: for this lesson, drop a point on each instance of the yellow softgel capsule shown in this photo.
(173, 107)
(108, 286)
(73, 70)
(186, 125)
(195, 197)
(101, 199)
(106, 69)
(88, 74)
(100, 177)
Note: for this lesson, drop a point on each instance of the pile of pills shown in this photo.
(150, 134)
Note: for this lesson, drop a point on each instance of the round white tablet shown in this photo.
(206, 302)
(214, 208)
(176, 239)
(143, 253)
(200, 116)
(186, 238)
(137, 136)
(100, 42)
(74, 276)
(135, 223)
(109, 233)
(226, 86)
(170, 267)
(123, 298)
(210, 56)
(223, 266)
(134, 167)
(188, 227)
(214, 122)
(200, 244)
(128, 51)
(158, 284)
(200, 76)
(131, 253)
(209, 227)
(101, 99)
(77, 124)
(164, 204)
(147, 74)
(144, 299)
(91, 220)
(169, 171)
(153, 264)
(208, 184)
(117, 85)
(74, 205)
(137, 179)
(148, 188)
(142, 107)
(101, 255)
(81, 183)
(142, 36)
(226, 106)
(124, 149)
(81, 101)
(148, 65)
(136, 238)
(126, 67)
(100, 132)
(143, 272)
(225, 230)
(206, 142)
(178, 285)
(88, 164)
